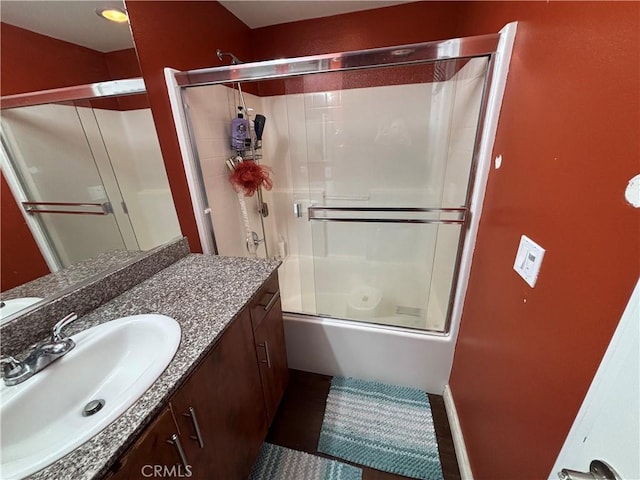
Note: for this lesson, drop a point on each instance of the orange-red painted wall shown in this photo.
(182, 35)
(568, 134)
(31, 62)
(124, 64)
(19, 255)
(410, 23)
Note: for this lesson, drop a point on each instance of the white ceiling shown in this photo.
(71, 21)
(76, 21)
(261, 13)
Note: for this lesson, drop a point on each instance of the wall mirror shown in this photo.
(84, 186)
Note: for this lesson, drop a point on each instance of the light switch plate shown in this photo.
(528, 260)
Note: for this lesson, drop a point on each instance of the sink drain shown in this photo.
(93, 407)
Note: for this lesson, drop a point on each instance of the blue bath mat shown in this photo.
(385, 427)
(279, 463)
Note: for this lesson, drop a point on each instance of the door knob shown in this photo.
(598, 470)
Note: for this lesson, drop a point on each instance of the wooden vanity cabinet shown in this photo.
(268, 332)
(156, 446)
(220, 409)
(217, 420)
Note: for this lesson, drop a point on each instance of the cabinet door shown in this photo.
(155, 453)
(224, 398)
(272, 358)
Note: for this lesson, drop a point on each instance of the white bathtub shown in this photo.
(367, 350)
(370, 352)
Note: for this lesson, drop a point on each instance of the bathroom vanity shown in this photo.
(215, 423)
(211, 407)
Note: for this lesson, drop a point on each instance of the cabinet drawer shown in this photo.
(265, 300)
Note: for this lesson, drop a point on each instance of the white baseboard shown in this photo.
(456, 433)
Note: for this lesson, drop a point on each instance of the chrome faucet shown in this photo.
(15, 371)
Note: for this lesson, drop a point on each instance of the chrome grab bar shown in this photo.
(33, 207)
(461, 211)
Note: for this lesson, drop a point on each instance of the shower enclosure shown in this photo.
(374, 158)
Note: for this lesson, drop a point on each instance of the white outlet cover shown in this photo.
(528, 260)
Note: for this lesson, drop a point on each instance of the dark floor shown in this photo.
(299, 419)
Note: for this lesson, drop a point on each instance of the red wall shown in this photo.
(31, 62)
(19, 255)
(568, 134)
(409, 23)
(182, 35)
(124, 64)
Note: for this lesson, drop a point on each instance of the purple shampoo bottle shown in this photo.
(240, 134)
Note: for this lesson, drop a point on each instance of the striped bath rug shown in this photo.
(280, 463)
(385, 427)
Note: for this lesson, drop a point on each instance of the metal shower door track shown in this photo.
(111, 88)
(457, 48)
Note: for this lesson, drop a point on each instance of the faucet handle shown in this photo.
(56, 335)
(11, 366)
(9, 361)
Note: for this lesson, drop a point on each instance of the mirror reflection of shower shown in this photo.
(91, 175)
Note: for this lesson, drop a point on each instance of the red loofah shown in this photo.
(248, 176)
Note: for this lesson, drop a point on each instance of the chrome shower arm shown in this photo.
(234, 60)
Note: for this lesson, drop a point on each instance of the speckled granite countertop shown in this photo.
(203, 293)
(55, 282)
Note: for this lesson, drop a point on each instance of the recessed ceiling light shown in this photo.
(113, 14)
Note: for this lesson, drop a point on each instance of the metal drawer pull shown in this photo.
(274, 298)
(598, 470)
(265, 345)
(175, 441)
(196, 426)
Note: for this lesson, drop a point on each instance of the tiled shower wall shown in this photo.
(405, 146)
(211, 110)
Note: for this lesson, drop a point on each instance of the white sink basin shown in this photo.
(16, 304)
(41, 419)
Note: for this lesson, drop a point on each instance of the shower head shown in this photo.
(234, 60)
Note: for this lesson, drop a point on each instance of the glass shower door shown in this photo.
(57, 154)
(390, 160)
